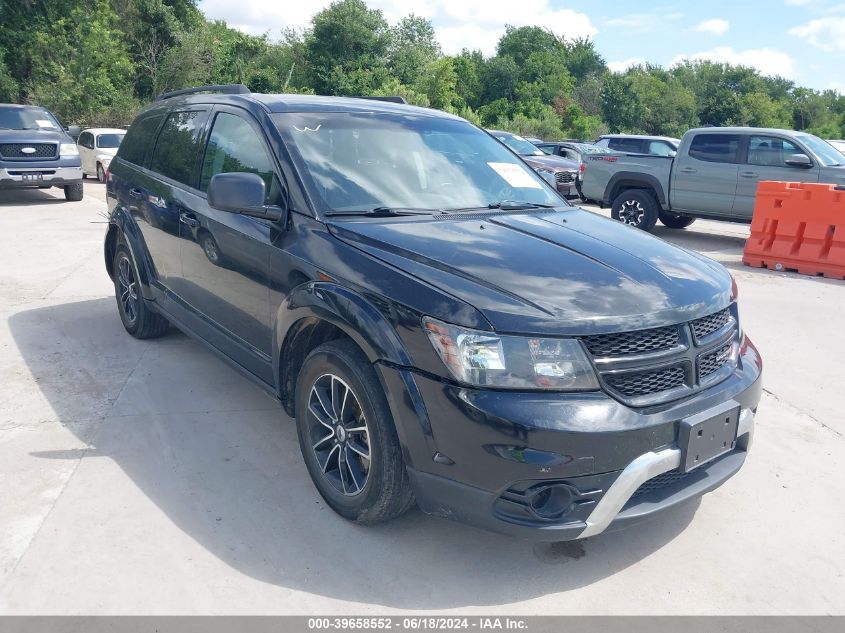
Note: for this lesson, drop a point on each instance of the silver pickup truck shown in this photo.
(714, 175)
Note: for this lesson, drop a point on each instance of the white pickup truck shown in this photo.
(714, 175)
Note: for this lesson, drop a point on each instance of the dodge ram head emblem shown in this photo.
(27, 150)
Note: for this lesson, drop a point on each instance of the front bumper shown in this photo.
(483, 457)
(21, 177)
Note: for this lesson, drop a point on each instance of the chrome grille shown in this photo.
(705, 326)
(713, 361)
(648, 382)
(14, 151)
(637, 342)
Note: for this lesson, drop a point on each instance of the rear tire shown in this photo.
(347, 436)
(137, 317)
(73, 193)
(637, 208)
(673, 221)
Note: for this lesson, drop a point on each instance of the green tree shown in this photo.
(347, 49)
(413, 47)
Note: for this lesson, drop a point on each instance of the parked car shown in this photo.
(839, 145)
(640, 144)
(441, 325)
(714, 175)
(560, 172)
(36, 152)
(533, 140)
(97, 147)
(574, 151)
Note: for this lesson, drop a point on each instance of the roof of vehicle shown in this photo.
(21, 106)
(104, 130)
(643, 136)
(743, 130)
(298, 103)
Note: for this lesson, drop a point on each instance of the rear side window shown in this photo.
(176, 151)
(659, 148)
(626, 144)
(138, 139)
(715, 148)
(234, 146)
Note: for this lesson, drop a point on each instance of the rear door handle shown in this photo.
(748, 174)
(189, 219)
(136, 193)
(687, 170)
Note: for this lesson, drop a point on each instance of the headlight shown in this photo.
(547, 174)
(68, 149)
(484, 359)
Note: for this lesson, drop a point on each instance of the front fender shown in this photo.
(349, 311)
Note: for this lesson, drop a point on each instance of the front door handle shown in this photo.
(189, 220)
(688, 170)
(749, 174)
(136, 193)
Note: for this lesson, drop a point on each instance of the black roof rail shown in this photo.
(389, 99)
(229, 89)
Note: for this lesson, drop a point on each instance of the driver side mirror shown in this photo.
(801, 161)
(244, 193)
(73, 131)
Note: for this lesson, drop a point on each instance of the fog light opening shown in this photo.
(552, 502)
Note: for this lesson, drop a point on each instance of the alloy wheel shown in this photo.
(339, 434)
(631, 212)
(127, 288)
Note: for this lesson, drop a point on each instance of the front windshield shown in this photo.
(355, 162)
(824, 151)
(27, 119)
(109, 141)
(519, 144)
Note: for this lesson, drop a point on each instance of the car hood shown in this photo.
(550, 272)
(109, 152)
(34, 136)
(557, 163)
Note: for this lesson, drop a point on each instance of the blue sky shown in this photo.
(803, 40)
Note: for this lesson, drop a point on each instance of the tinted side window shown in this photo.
(177, 148)
(626, 144)
(715, 148)
(138, 139)
(770, 151)
(235, 146)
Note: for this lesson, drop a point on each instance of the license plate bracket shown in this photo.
(705, 436)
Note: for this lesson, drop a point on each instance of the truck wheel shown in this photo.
(73, 193)
(347, 436)
(635, 207)
(101, 173)
(675, 221)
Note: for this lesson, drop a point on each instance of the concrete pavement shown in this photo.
(148, 477)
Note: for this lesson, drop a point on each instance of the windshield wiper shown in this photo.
(513, 205)
(386, 212)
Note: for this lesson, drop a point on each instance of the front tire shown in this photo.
(635, 207)
(73, 193)
(101, 173)
(137, 317)
(347, 436)
(673, 221)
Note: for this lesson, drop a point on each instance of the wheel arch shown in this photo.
(624, 180)
(317, 312)
(122, 230)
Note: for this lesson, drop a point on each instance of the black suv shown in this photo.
(444, 328)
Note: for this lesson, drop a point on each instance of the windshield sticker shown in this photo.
(44, 123)
(515, 175)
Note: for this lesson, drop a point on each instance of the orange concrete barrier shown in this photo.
(800, 227)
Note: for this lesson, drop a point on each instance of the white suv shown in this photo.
(97, 146)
